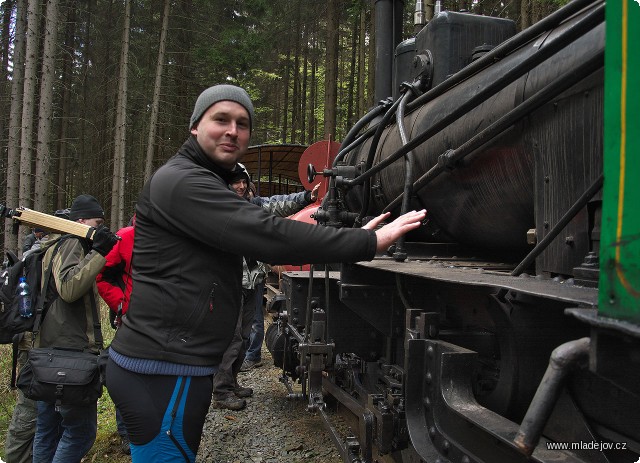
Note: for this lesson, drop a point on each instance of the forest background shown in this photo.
(96, 94)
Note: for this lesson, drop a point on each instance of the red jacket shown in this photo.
(114, 281)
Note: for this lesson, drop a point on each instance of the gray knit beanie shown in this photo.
(221, 93)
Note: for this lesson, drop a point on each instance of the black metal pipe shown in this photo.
(409, 157)
(537, 100)
(504, 49)
(563, 360)
(346, 144)
(371, 155)
(307, 321)
(400, 254)
(497, 54)
(564, 220)
(388, 23)
(561, 41)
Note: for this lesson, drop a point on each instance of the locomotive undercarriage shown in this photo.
(445, 361)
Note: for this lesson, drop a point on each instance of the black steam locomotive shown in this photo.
(478, 337)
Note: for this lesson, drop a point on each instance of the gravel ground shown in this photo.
(271, 429)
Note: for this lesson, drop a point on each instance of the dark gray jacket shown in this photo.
(191, 231)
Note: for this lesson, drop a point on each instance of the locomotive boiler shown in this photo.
(506, 328)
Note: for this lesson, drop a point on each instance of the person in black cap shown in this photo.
(36, 235)
(227, 392)
(22, 427)
(67, 432)
(191, 233)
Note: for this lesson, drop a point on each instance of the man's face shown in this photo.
(240, 187)
(95, 222)
(223, 132)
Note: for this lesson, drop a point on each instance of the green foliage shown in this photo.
(7, 396)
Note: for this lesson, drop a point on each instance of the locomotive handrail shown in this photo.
(561, 41)
(564, 220)
(541, 97)
(400, 254)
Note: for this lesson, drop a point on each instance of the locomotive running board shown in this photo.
(443, 416)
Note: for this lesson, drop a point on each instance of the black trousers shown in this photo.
(146, 400)
(226, 379)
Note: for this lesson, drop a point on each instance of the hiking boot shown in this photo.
(250, 364)
(243, 392)
(125, 445)
(230, 402)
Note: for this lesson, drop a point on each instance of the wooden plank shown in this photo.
(51, 223)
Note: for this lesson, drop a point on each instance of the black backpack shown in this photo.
(11, 323)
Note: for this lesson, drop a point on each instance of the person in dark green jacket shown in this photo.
(191, 234)
(65, 434)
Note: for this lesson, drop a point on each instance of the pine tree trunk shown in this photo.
(371, 80)
(67, 63)
(28, 109)
(361, 104)
(5, 82)
(304, 138)
(45, 110)
(117, 186)
(313, 96)
(295, 112)
(525, 14)
(285, 105)
(15, 121)
(351, 116)
(331, 80)
(155, 105)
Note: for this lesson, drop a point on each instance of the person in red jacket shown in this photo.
(114, 286)
(114, 281)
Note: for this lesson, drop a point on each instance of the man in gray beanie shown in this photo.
(219, 93)
(221, 122)
(191, 233)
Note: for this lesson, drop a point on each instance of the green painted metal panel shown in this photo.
(619, 294)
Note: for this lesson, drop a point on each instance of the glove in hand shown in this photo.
(103, 240)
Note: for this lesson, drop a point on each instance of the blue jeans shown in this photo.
(64, 436)
(256, 337)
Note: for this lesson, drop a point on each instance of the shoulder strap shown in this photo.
(14, 363)
(43, 292)
(97, 328)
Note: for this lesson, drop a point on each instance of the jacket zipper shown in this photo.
(212, 296)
